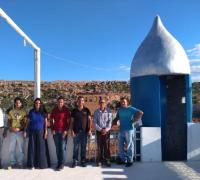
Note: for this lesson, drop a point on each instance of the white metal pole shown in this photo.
(36, 51)
(37, 73)
(16, 28)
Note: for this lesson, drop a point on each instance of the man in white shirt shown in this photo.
(1, 132)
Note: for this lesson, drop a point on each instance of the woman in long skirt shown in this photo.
(37, 128)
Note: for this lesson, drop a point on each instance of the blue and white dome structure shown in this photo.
(161, 87)
(160, 55)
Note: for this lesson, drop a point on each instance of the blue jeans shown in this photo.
(80, 140)
(60, 144)
(16, 140)
(126, 145)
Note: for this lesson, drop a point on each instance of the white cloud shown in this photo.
(195, 78)
(195, 51)
(194, 59)
(124, 68)
(195, 69)
(195, 72)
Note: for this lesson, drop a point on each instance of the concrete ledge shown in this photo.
(51, 145)
(193, 141)
(151, 144)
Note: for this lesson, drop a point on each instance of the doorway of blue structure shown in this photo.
(174, 117)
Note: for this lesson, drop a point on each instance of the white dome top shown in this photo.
(159, 54)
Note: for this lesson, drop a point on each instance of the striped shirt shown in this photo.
(102, 119)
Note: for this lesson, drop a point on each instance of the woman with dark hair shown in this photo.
(37, 130)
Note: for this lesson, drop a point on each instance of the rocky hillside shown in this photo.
(50, 91)
(70, 90)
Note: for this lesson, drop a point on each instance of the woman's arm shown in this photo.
(45, 128)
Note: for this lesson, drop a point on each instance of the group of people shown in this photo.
(77, 122)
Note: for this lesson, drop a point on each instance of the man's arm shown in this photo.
(26, 126)
(5, 125)
(67, 123)
(114, 122)
(109, 123)
(25, 122)
(90, 124)
(45, 128)
(95, 118)
(52, 122)
(68, 119)
(138, 115)
(72, 126)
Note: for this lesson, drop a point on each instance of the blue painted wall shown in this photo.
(145, 95)
(148, 93)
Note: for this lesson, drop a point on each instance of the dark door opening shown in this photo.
(174, 125)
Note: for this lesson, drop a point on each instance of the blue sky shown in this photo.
(91, 39)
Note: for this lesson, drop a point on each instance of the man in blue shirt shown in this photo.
(127, 116)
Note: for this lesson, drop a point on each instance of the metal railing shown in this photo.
(92, 146)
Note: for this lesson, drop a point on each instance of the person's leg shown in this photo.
(56, 141)
(83, 148)
(12, 147)
(61, 150)
(64, 148)
(121, 152)
(41, 155)
(1, 143)
(129, 135)
(107, 148)
(102, 146)
(47, 153)
(20, 143)
(99, 148)
(76, 141)
(31, 151)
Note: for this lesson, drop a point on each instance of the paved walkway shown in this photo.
(139, 171)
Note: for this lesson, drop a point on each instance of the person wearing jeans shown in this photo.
(17, 120)
(81, 128)
(16, 138)
(128, 138)
(126, 116)
(80, 140)
(60, 143)
(60, 120)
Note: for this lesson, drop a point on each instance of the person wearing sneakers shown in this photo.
(81, 128)
(17, 119)
(60, 120)
(127, 117)
(102, 122)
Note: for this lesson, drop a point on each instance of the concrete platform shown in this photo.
(139, 171)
